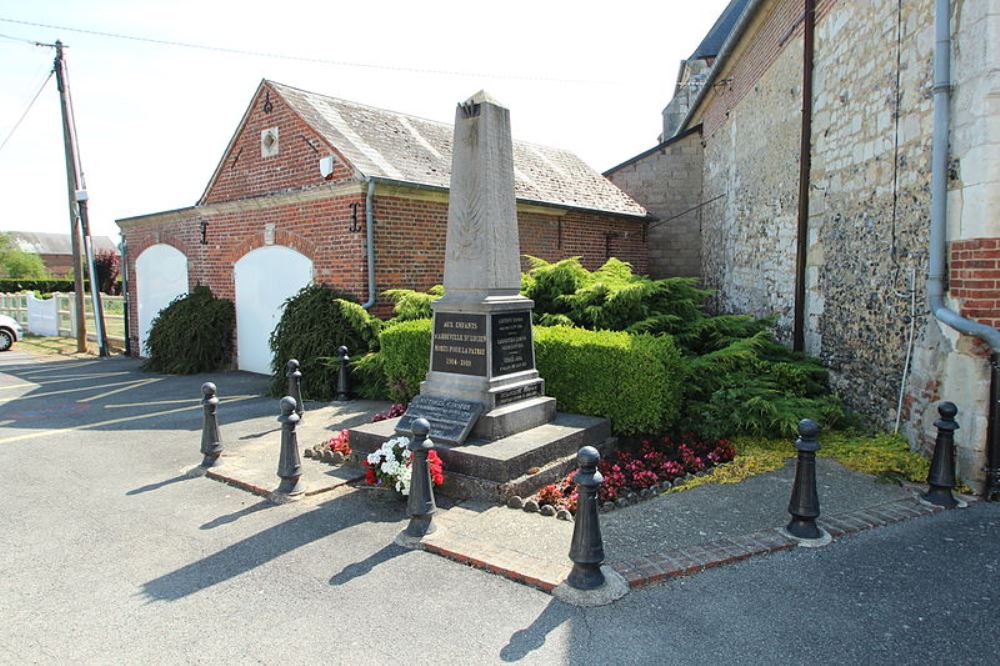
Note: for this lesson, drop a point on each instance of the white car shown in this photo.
(10, 332)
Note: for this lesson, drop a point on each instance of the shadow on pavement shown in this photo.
(236, 515)
(328, 518)
(358, 569)
(525, 641)
(159, 484)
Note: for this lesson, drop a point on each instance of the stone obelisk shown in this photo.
(482, 369)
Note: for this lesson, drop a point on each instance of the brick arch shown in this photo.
(159, 238)
(283, 237)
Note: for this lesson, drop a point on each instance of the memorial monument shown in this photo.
(491, 422)
(482, 374)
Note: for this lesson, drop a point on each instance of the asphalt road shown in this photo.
(110, 554)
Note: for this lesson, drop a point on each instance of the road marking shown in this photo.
(63, 380)
(168, 402)
(61, 367)
(32, 396)
(136, 384)
(101, 424)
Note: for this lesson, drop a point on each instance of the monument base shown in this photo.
(518, 464)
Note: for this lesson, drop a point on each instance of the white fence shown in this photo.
(55, 315)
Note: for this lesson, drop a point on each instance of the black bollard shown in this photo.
(941, 478)
(295, 385)
(804, 505)
(587, 547)
(343, 376)
(211, 440)
(289, 463)
(420, 505)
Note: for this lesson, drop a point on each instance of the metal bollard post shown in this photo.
(420, 506)
(289, 463)
(941, 478)
(343, 376)
(804, 504)
(587, 548)
(211, 440)
(295, 384)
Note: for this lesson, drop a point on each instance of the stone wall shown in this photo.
(751, 180)
(667, 182)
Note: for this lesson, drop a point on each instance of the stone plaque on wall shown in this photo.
(459, 343)
(511, 336)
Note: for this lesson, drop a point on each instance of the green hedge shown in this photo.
(314, 323)
(636, 381)
(192, 334)
(10, 286)
(405, 357)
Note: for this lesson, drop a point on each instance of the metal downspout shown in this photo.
(805, 168)
(370, 242)
(938, 233)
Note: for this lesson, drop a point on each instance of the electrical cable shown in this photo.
(28, 108)
(281, 56)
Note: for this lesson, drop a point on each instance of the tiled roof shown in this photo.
(45, 243)
(391, 145)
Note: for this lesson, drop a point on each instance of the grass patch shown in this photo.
(52, 345)
(886, 457)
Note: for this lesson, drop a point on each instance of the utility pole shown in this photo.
(78, 215)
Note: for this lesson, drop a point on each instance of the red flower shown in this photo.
(370, 477)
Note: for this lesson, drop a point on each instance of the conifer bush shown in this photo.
(194, 333)
(314, 323)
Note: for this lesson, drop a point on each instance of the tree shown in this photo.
(18, 264)
(107, 264)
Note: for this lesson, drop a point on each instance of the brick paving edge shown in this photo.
(686, 560)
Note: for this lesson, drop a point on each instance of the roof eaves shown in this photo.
(534, 202)
(646, 153)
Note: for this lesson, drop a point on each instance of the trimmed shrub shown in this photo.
(405, 358)
(194, 333)
(316, 321)
(636, 381)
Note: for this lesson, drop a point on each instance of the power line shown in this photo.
(30, 104)
(282, 56)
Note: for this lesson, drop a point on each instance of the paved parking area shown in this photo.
(109, 553)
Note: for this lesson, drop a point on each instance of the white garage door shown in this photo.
(161, 275)
(264, 279)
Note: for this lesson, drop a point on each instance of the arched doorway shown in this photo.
(161, 275)
(264, 279)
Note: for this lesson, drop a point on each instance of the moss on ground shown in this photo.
(886, 457)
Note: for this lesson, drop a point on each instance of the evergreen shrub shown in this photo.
(194, 333)
(635, 380)
(314, 323)
(405, 357)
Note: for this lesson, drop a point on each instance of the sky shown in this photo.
(153, 120)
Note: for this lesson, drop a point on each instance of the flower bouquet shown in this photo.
(390, 466)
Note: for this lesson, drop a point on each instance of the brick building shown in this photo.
(291, 200)
(863, 210)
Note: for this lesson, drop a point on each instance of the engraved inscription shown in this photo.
(512, 348)
(459, 343)
(451, 419)
(517, 394)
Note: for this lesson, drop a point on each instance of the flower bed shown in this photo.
(390, 466)
(654, 465)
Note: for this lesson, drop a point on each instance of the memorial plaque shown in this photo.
(459, 343)
(451, 419)
(518, 393)
(512, 348)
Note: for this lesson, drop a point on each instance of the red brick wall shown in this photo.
(782, 25)
(244, 173)
(409, 242)
(974, 277)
